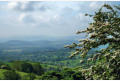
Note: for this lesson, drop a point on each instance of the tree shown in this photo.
(67, 73)
(22, 66)
(51, 75)
(78, 76)
(26, 67)
(104, 30)
(11, 75)
(5, 67)
(37, 69)
(29, 76)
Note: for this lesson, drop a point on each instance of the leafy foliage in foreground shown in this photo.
(104, 30)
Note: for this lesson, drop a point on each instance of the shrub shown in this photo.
(11, 75)
(51, 75)
(37, 69)
(78, 76)
(29, 76)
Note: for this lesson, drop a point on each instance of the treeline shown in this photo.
(25, 70)
(49, 56)
(22, 70)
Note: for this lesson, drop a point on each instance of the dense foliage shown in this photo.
(104, 30)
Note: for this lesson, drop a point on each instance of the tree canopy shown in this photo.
(104, 30)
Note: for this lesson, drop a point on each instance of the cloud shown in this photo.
(51, 15)
(44, 12)
(28, 9)
(12, 5)
(95, 5)
(45, 18)
(26, 18)
(27, 6)
(21, 6)
(21, 17)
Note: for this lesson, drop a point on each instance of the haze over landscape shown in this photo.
(35, 37)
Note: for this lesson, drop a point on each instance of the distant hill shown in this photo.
(55, 43)
(45, 51)
(41, 44)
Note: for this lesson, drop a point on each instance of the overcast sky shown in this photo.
(55, 19)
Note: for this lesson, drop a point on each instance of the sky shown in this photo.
(48, 19)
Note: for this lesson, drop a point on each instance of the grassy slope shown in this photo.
(22, 74)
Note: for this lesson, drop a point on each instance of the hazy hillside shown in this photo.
(39, 42)
(45, 51)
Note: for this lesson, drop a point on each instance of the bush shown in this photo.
(5, 67)
(37, 69)
(11, 75)
(22, 66)
(78, 76)
(52, 75)
(67, 73)
(29, 76)
(26, 67)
